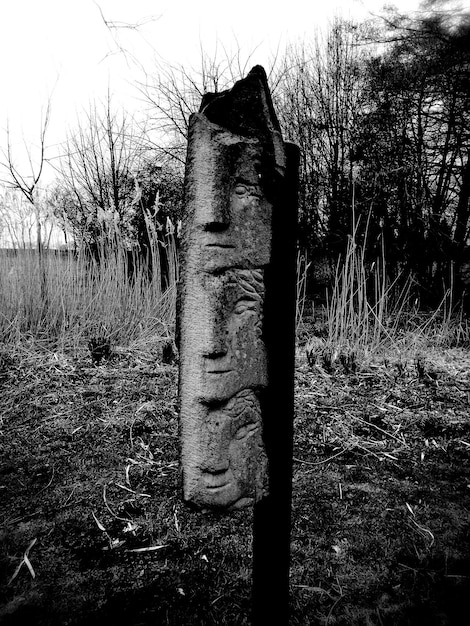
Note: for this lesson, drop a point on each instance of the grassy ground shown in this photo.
(94, 531)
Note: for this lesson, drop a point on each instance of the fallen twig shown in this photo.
(149, 549)
(359, 419)
(136, 493)
(49, 483)
(324, 460)
(25, 561)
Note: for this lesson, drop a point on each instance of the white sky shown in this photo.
(63, 48)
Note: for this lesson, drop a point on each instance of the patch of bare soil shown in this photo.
(94, 531)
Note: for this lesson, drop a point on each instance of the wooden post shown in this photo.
(272, 514)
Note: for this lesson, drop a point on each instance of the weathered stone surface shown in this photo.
(235, 158)
(226, 463)
(228, 217)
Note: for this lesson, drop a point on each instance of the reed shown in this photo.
(368, 315)
(66, 297)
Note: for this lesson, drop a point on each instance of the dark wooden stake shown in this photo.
(272, 515)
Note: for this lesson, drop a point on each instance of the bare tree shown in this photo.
(173, 93)
(414, 162)
(319, 99)
(27, 185)
(27, 182)
(96, 186)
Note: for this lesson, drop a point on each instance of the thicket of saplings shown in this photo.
(115, 295)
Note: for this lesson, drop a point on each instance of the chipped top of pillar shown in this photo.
(247, 109)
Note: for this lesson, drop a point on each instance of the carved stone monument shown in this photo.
(235, 150)
(236, 310)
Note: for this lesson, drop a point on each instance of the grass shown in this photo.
(367, 316)
(64, 299)
(93, 529)
(90, 495)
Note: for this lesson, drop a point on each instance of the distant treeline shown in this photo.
(381, 112)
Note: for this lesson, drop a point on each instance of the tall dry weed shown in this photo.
(368, 314)
(72, 295)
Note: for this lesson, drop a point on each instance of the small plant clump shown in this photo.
(100, 348)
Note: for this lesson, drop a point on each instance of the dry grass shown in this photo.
(367, 316)
(91, 489)
(66, 299)
(377, 451)
(89, 462)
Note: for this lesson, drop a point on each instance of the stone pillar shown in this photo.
(235, 172)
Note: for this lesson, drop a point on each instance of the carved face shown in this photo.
(226, 460)
(231, 459)
(232, 351)
(232, 219)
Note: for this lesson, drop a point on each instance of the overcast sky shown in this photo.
(62, 48)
